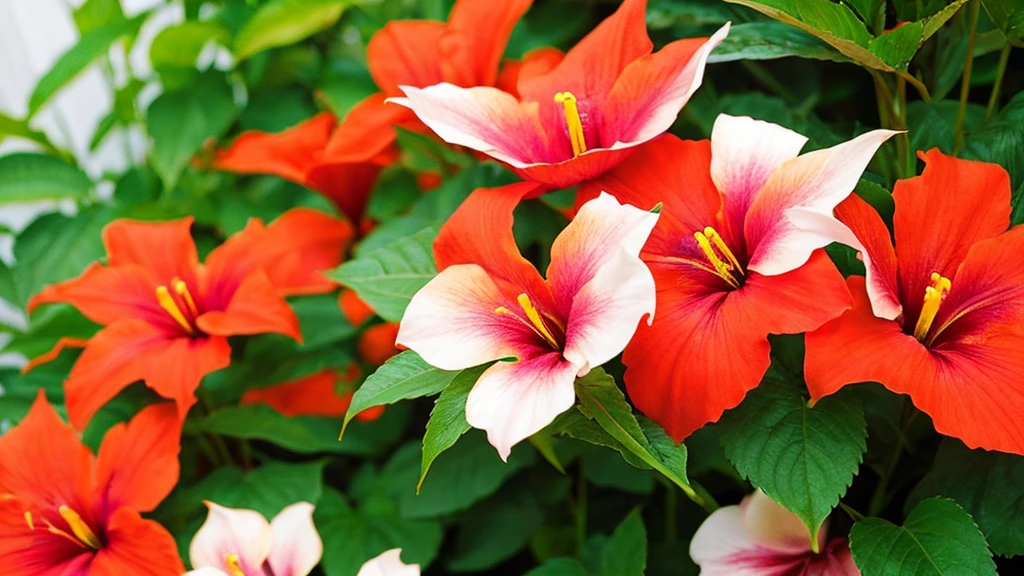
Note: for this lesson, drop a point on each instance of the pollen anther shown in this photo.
(182, 290)
(724, 263)
(163, 296)
(80, 529)
(572, 120)
(234, 565)
(933, 297)
(534, 319)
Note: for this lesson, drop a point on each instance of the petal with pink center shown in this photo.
(389, 564)
(744, 153)
(232, 534)
(514, 400)
(206, 572)
(606, 310)
(770, 524)
(297, 546)
(601, 228)
(816, 181)
(484, 119)
(451, 322)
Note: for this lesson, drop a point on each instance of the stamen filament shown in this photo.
(933, 297)
(58, 532)
(182, 290)
(534, 317)
(234, 565)
(572, 120)
(722, 247)
(163, 296)
(28, 520)
(722, 269)
(80, 528)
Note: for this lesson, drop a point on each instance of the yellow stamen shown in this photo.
(28, 520)
(535, 320)
(572, 120)
(708, 240)
(933, 297)
(182, 289)
(163, 296)
(234, 566)
(80, 528)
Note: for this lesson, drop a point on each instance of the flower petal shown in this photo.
(940, 214)
(366, 132)
(376, 344)
(290, 154)
(771, 525)
(451, 322)
(347, 186)
(175, 370)
(137, 546)
(165, 249)
(53, 353)
(28, 552)
(313, 395)
(227, 531)
(404, 52)
(744, 153)
(255, 308)
(138, 462)
(536, 62)
(513, 400)
(297, 546)
(816, 181)
(389, 564)
(299, 245)
(647, 97)
(474, 40)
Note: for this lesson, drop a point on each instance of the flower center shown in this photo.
(723, 262)
(933, 297)
(533, 319)
(572, 120)
(234, 565)
(81, 534)
(178, 307)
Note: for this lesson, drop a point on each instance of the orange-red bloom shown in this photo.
(64, 511)
(569, 120)
(939, 316)
(167, 317)
(299, 155)
(313, 395)
(465, 51)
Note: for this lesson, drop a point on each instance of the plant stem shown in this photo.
(922, 90)
(906, 167)
(581, 509)
(993, 100)
(965, 83)
(886, 115)
(762, 75)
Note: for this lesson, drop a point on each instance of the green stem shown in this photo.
(922, 90)
(965, 84)
(880, 497)
(581, 509)
(993, 100)
(671, 500)
(886, 117)
(904, 151)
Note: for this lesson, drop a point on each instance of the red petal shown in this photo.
(175, 371)
(571, 172)
(475, 38)
(940, 214)
(299, 246)
(404, 53)
(535, 63)
(313, 395)
(377, 343)
(290, 154)
(54, 352)
(165, 249)
(868, 227)
(26, 552)
(355, 309)
(138, 461)
(255, 308)
(138, 547)
(366, 132)
(347, 186)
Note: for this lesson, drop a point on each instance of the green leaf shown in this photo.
(284, 22)
(933, 124)
(353, 536)
(402, 377)
(803, 458)
(346, 83)
(494, 533)
(448, 418)
(769, 40)
(938, 539)
(90, 46)
(575, 425)
(602, 401)
(1008, 16)
(988, 485)
(181, 121)
(96, 13)
(29, 177)
(11, 128)
(625, 553)
(387, 278)
(49, 324)
(1001, 141)
(559, 567)
(178, 47)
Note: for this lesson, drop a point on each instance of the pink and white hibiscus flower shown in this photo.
(761, 538)
(389, 564)
(237, 542)
(489, 303)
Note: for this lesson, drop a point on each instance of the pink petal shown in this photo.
(601, 228)
(245, 533)
(451, 322)
(607, 310)
(297, 546)
(817, 181)
(206, 572)
(771, 525)
(825, 228)
(744, 153)
(482, 118)
(647, 97)
(389, 564)
(513, 400)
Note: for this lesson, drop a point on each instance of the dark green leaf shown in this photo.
(769, 40)
(1008, 16)
(1002, 141)
(492, 534)
(28, 177)
(448, 418)
(625, 553)
(607, 470)
(559, 567)
(938, 539)
(267, 489)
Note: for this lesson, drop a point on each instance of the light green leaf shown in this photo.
(769, 40)
(988, 485)
(575, 425)
(96, 13)
(403, 377)
(625, 553)
(181, 121)
(284, 22)
(938, 539)
(11, 128)
(387, 278)
(178, 47)
(803, 458)
(448, 418)
(29, 177)
(90, 46)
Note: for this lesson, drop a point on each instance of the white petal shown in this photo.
(513, 400)
(206, 572)
(770, 524)
(227, 531)
(297, 546)
(389, 564)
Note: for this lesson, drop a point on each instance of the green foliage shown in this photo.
(30, 177)
(284, 22)
(448, 419)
